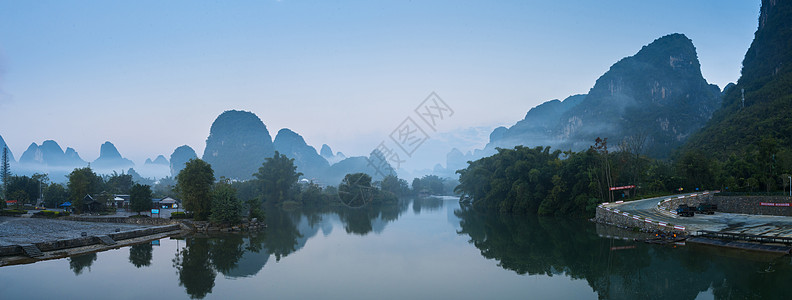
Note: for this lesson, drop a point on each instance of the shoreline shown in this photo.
(12, 260)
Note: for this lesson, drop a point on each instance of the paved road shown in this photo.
(726, 222)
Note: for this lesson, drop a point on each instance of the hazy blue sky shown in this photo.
(153, 75)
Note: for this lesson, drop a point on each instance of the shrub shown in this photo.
(13, 212)
(50, 214)
(179, 215)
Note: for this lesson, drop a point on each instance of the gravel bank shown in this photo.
(15, 231)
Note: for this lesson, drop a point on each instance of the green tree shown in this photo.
(83, 181)
(248, 193)
(226, 208)
(54, 195)
(140, 198)
(430, 184)
(119, 183)
(194, 184)
(23, 183)
(355, 189)
(698, 169)
(277, 177)
(20, 196)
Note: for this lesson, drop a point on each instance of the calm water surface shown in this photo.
(421, 249)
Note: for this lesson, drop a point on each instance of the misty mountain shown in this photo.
(538, 126)
(766, 81)
(50, 154)
(48, 158)
(291, 144)
(4, 145)
(328, 155)
(157, 168)
(237, 145)
(110, 160)
(357, 164)
(659, 94)
(160, 160)
(180, 156)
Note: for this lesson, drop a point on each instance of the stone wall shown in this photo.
(612, 216)
(673, 202)
(751, 205)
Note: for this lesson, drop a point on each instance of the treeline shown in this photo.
(28, 190)
(541, 181)
(221, 200)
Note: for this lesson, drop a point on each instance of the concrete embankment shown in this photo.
(613, 216)
(736, 223)
(28, 240)
(17, 250)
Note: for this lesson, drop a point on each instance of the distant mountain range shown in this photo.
(657, 96)
(239, 143)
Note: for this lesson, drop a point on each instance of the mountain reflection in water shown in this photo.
(433, 246)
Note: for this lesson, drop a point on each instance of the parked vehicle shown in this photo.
(683, 210)
(707, 208)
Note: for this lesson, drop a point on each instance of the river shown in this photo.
(416, 249)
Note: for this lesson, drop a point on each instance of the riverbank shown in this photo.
(657, 214)
(26, 240)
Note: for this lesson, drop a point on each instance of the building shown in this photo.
(121, 201)
(166, 202)
(91, 205)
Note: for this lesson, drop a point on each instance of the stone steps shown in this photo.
(106, 240)
(31, 250)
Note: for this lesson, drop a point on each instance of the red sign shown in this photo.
(774, 204)
(622, 187)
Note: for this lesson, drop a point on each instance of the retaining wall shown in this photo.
(752, 205)
(671, 204)
(125, 220)
(615, 217)
(88, 240)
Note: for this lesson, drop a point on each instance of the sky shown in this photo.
(150, 76)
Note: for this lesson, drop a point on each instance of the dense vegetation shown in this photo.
(753, 138)
(541, 181)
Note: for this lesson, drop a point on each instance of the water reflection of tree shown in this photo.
(373, 217)
(140, 255)
(194, 268)
(198, 263)
(80, 262)
(225, 252)
(547, 246)
(427, 204)
(282, 233)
